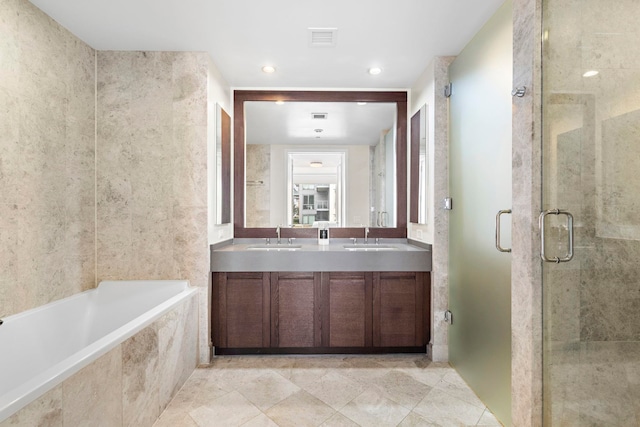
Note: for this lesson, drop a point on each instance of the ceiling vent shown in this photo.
(319, 116)
(322, 37)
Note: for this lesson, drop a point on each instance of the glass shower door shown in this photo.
(591, 174)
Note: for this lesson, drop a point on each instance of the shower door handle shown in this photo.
(569, 255)
(498, 247)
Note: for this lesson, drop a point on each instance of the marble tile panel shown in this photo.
(431, 374)
(373, 409)
(44, 411)
(140, 378)
(93, 396)
(488, 419)
(189, 75)
(175, 419)
(114, 243)
(190, 165)
(177, 346)
(301, 408)
(152, 243)
(190, 248)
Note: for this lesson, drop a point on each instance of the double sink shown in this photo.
(349, 247)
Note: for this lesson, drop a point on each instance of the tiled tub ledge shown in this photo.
(120, 354)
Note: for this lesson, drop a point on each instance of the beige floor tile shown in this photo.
(371, 409)
(335, 390)
(369, 390)
(402, 388)
(232, 409)
(260, 421)
(442, 408)
(453, 384)
(415, 420)
(267, 390)
(488, 419)
(300, 410)
(339, 420)
(175, 419)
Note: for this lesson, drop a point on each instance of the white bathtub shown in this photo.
(42, 347)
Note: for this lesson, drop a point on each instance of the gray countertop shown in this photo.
(251, 255)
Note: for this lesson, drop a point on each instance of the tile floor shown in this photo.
(370, 391)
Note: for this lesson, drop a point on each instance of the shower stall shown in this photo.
(590, 225)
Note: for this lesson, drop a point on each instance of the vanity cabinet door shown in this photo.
(241, 310)
(400, 309)
(295, 310)
(347, 309)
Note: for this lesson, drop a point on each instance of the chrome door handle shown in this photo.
(498, 247)
(569, 255)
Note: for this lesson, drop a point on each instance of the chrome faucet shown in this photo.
(366, 235)
(278, 233)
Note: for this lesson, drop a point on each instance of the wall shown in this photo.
(218, 92)
(152, 199)
(47, 172)
(436, 231)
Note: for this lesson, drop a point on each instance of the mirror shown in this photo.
(419, 166)
(223, 166)
(312, 160)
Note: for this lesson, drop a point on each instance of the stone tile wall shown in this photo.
(47, 172)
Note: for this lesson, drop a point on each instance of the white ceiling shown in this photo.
(400, 36)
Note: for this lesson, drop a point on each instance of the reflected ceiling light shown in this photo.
(374, 71)
(591, 73)
(362, 103)
(279, 102)
(318, 130)
(268, 69)
(315, 164)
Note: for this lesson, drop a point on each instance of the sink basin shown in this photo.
(370, 248)
(274, 247)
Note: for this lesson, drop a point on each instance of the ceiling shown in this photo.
(399, 36)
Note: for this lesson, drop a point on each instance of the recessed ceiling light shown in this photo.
(315, 164)
(591, 73)
(374, 71)
(268, 69)
(318, 130)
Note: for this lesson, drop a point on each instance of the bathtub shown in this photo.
(43, 347)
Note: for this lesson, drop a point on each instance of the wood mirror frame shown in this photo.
(241, 96)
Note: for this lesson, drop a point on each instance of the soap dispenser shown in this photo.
(323, 236)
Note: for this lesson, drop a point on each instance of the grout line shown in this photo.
(95, 168)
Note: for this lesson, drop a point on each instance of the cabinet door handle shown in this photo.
(569, 255)
(498, 247)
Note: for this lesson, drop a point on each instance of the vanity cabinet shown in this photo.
(320, 312)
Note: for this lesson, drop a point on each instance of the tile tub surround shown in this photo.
(130, 385)
(389, 390)
(47, 160)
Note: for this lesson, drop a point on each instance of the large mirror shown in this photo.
(419, 166)
(305, 160)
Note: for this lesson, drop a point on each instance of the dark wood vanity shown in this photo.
(320, 312)
(328, 300)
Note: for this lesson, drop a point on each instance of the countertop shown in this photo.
(251, 255)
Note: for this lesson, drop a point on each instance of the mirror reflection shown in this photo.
(316, 164)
